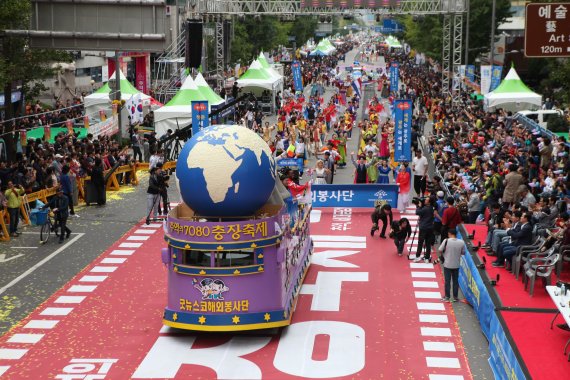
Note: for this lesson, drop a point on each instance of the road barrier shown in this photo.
(112, 184)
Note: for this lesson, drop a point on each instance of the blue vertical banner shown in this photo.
(471, 73)
(200, 118)
(394, 76)
(403, 130)
(297, 76)
(496, 77)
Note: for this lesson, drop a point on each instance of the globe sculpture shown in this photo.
(225, 170)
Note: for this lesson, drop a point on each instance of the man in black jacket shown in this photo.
(381, 213)
(425, 227)
(60, 206)
(153, 193)
(520, 235)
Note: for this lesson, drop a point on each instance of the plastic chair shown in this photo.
(522, 255)
(544, 268)
(564, 252)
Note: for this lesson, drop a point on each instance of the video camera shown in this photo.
(418, 201)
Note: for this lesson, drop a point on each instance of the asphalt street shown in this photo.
(31, 272)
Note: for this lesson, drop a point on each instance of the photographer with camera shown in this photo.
(156, 187)
(425, 225)
(381, 213)
(163, 178)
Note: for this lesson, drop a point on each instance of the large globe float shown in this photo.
(225, 170)
(239, 245)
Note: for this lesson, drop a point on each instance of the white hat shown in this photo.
(440, 194)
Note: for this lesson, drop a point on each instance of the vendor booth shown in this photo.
(512, 95)
(100, 101)
(262, 84)
(177, 113)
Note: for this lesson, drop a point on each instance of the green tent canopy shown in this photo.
(257, 76)
(212, 98)
(177, 113)
(512, 95)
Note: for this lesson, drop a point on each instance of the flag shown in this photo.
(291, 150)
(356, 87)
(135, 108)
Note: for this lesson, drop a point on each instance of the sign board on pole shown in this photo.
(200, 114)
(403, 130)
(547, 31)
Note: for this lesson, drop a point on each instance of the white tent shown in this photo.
(212, 98)
(257, 76)
(100, 100)
(512, 95)
(177, 113)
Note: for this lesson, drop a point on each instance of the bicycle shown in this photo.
(48, 226)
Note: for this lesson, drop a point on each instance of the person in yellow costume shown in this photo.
(302, 124)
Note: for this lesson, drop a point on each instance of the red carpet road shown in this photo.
(363, 313)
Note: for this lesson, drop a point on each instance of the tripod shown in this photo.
(416, 228)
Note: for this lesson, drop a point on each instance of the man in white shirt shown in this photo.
(371, 147)
(420, 168)
(155, 159)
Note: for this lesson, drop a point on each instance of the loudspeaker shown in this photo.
(227, 39)
(193, 58)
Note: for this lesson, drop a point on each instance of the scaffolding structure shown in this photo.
(168, 64)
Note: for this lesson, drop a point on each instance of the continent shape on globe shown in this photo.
(226, 171)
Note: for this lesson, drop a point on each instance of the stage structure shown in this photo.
(218, 11)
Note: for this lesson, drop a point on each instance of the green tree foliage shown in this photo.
(19, 64)
(254, 34)
(425, 33)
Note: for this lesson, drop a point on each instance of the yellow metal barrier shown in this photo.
(5, 235)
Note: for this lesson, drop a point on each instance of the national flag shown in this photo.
(356, 87)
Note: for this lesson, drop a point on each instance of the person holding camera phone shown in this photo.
(425, 225)
(451, 250)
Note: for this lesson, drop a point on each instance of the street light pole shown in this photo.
(492, 55)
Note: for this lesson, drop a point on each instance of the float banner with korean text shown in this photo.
(403, 130)
(503, 360)
(394, 76)
(291, 162)
(496, 77)
(105, 128)
(199, 116)
(297, 76)
(471, 73)
(356, 195)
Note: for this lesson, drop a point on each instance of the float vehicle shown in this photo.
(236, 271)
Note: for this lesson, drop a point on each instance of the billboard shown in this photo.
(97, 25)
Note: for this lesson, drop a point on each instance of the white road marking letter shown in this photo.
(345, 354)
(169, 353)
(326, 290)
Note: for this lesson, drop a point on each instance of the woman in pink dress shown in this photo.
(384, 147)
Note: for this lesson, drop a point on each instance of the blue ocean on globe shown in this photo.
(225, 170)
